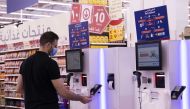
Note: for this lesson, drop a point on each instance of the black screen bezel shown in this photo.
(81, 60)
(160, 55)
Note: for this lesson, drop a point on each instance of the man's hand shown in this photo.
(85, 99)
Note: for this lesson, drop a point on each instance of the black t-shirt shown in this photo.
(37, 72)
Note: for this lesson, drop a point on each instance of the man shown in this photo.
(40, 80)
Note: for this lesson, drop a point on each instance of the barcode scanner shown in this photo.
(138, 75)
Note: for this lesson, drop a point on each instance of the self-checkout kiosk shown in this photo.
(108, 70)
(121, 81)
(164, 75)
(87, 77)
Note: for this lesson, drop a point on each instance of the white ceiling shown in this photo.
(45, 8)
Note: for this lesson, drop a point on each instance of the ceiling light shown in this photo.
(2, 26)
(4, 22)
(55, 3)
(40, 9)
(4, 6)
(11, 18)
(25, 14)
(48, 10)
(126, 1)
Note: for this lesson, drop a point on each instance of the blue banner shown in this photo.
(152, 24)
(79, 35)
(15, 5)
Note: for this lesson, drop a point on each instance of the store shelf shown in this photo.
(2, 70)
(15, 59)
(2, 62)
(12, 67)
(14, 107)
(2, 95)
(10, 90)
(109, 44)
(10, 82)
(2, 79)
(61, 66)
(27, 49)
(9, 75)
(57, 56)
(14, 98)
(2, 105)
(61, 102)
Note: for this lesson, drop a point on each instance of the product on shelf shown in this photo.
(1, 58)
(13, 64)
(12, 71)
(60, 61)
(15, 103)
(94, 2)
(2, 75)
(62, 49)
(34, 43)
(3, 47)
(98, 39)
(9, 87)
(62, 70)
(11, 79)
(1, 67)
(16, 55)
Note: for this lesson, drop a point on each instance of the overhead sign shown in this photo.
(100, 19)
(115, 9)
(75, 13)
(152, 24)
(97, 16)
(86, 13)
(79, 35)
(116, 30)
(15, 5)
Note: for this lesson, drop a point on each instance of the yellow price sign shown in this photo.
(116, 31)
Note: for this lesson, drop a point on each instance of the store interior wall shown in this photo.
(33, 29)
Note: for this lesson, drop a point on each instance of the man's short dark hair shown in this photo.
(48, 37)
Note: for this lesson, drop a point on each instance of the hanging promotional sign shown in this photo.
(75, 13)
(152, 24)
(79, 35)
(115, 9)
(15, 5)
(97, 16)
(116, 32)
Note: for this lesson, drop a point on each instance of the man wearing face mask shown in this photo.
(39, 78)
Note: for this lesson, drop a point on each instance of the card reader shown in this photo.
(177, 92)
(95, 89)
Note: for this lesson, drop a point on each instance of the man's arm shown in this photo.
(19, 87)
(67, 94)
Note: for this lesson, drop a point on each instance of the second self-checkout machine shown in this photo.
(158, 66)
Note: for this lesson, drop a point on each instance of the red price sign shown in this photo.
(97, 17)
(100, 19)
(76, 13)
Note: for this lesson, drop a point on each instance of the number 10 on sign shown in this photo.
(100, 19)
